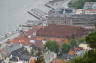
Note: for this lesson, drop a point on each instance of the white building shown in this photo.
(90, 5)
(49, 56)
(85, 46)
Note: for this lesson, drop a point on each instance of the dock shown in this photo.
(40, 15)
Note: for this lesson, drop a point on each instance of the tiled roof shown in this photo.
(20, 39)
(71, 52)
(57, 61)
(34, 28)
(60, 41)
(32, 60)
(64, 31)
(74, 51)
(26, 41)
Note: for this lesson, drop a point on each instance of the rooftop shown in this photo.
(57, 61)
(62, 31)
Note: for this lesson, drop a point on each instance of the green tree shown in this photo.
(81, 40)
(73, 43)
(77, 60)
(40, 60)
(95, 26)
(65, 48)
(79, 4)
(91, 39)
(88, 57)
(52, 46)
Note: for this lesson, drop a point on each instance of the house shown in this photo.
(20, 54)
(76, 52)
(32, 60)
(20, 40)
(8, 49)
(49, 56)
(85, 46)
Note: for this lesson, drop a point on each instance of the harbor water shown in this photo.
(14, 13)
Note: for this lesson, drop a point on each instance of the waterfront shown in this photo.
(14, 12)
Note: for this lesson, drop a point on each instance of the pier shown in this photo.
(38, 14)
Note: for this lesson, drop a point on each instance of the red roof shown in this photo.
(57, 61)
(71, 52)
(64, 31)
(34, 29)
(20, 39)
(60, 41)
(32, 60)
(88, 9)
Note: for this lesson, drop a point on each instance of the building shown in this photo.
(83, 19)
(20, 54)
(80, 18)
(28, 25)
(62, 19)
(49, 56)
(85, 11)
(90, 5)
(32, 60)
(62, 31)
(84, 46)
(8, 48)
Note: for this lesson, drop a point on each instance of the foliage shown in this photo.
(40, 60)
(73, 43)
(65, 48)
(78, 4)
(52, 46)
(82, 39)
(95, 26)
(91, 39)
(77, 60)
(89, 57)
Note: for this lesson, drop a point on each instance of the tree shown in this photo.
(40, 60)
(52, 46)
(65, 48)
(91, 39)
(95, 25)
(73, 43)
(82, 40)
(88, 57)
(79, 4)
